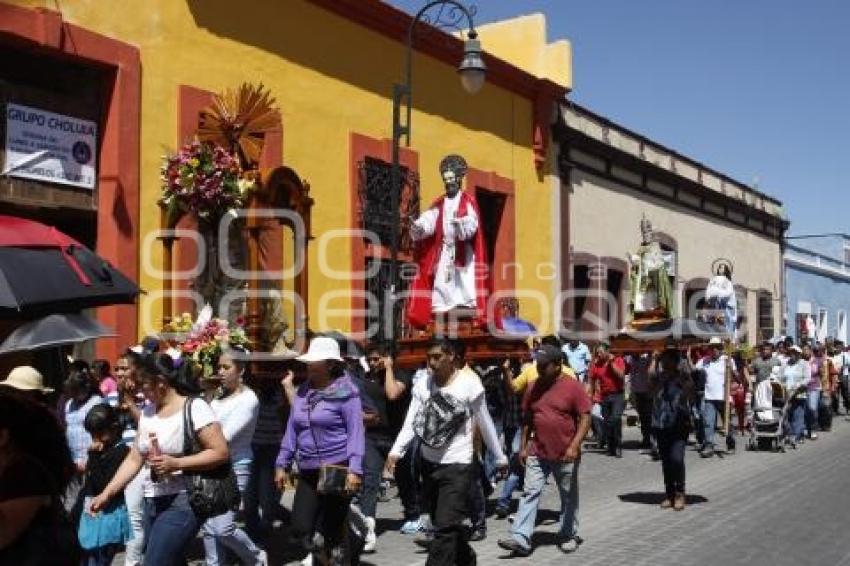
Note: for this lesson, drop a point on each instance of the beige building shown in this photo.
(611, 178)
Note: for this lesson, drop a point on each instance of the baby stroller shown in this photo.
(770, 410)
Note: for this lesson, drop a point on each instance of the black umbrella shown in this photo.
(43, 271)
(52, 331)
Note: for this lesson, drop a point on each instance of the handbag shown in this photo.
(211, 492)
(439, 419)
(332, 477)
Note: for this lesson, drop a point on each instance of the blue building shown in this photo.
(817, 287)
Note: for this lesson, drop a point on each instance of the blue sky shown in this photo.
(757, 89)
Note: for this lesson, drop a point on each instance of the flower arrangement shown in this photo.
(180, 325)
(205, 179)
(203, 341)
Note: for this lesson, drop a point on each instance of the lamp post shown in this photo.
(472, 71)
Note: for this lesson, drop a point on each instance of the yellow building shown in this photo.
(144, 69)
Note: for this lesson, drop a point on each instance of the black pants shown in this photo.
(612, 413)
(325, 514)
(643, 406)
(671, 448)
(407, 478)
(477, 498)
(446, 495)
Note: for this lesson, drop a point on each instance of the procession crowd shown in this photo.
(142, 455)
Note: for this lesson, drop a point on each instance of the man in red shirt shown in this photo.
(607, 382)
(556, 419)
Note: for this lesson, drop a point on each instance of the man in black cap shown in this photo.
(557, 411)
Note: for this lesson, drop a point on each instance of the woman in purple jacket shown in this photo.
(325, 427)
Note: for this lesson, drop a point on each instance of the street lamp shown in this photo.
(472, 72)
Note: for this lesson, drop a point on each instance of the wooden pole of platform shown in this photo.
(727, 401)
(167, 268)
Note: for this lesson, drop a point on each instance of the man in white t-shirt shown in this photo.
(714, 401)
(447, 458)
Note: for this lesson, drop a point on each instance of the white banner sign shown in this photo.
(50, 147)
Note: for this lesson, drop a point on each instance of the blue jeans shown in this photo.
(261, 497)
(377, 449)
(566, 478)
(489, 457)
(796, 419)
(711, 411)
(699, 424)
(170, 525)
(222, 530)
(613, 405)
(516, 473)
(812, 411)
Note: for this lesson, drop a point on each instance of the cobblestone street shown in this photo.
(753, 508)
(748, 508)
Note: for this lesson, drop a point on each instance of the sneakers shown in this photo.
(515, 548)
(570, 545)
(414, 526)
(707, 453)
(502, 511)
(813, 436)
(679, 502)
(370, 541)
(511, 518)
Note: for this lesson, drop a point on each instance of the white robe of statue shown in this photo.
(453, 286)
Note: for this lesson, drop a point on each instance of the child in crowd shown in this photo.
(103, 534)
(105, 382)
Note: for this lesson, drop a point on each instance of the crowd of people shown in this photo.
(145, 455)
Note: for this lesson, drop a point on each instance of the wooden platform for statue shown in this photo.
(643, 319)
(645, 335)
(480, 344)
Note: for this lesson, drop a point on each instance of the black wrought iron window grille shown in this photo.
(375, 194)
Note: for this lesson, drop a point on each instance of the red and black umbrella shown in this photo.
(44, 271)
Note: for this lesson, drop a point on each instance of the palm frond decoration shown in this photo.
(238, 120)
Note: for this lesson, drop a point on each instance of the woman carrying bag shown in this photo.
(170, 518)
(673, 393)
(325, 436)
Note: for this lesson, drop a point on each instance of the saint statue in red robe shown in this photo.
(450, 253)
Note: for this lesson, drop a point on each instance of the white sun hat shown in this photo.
(26, 378)
(321, 348)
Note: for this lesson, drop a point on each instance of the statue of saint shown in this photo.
(450, 253)
(720, 297)
(651, 291)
